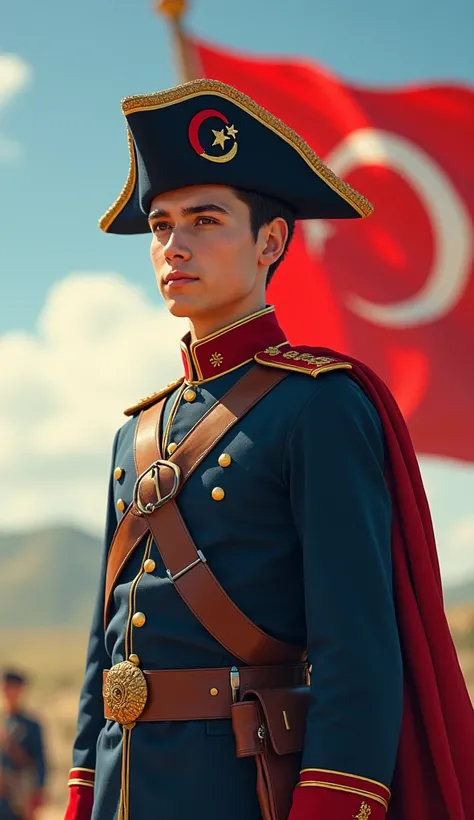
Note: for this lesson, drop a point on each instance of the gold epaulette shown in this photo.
(149, 400)
(299, 361)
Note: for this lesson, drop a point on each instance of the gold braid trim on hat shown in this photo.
(196, 88)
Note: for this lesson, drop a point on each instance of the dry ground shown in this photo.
(55, 659)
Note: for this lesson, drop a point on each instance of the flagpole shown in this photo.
(186, 57)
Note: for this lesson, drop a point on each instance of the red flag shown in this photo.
(395, 290)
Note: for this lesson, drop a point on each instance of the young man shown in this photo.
(267, 500)
(22, 760)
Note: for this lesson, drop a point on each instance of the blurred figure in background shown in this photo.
(22, 760)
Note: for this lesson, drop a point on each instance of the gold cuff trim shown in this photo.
(81, 769)
(77, 782)
(348, 774)
(359, 792)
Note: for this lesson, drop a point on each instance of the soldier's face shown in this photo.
(13, 694)
(206, 260)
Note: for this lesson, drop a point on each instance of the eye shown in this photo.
(206, 220)
(161, 227)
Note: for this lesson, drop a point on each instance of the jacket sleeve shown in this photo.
(342, 510)
(91, 711)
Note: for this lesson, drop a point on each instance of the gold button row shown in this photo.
(138, 619)
(190, 395)
(149, 565)
(118, 473)
(134, 659)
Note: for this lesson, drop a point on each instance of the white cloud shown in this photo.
(15, 75)
(99, 346)
(461, 550)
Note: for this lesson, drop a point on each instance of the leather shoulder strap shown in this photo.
(186, 565)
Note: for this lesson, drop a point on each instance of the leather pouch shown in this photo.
(269, 724)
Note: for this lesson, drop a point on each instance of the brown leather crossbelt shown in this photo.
(187, 694)
(267, 704)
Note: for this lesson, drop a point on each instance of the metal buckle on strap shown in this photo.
(125, 692)
(201, 559)
(154, 469)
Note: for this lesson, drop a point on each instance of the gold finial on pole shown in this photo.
(175, 11)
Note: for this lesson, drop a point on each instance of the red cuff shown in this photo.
(81, 794)
(337, 795)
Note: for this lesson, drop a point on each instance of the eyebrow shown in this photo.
(211, 207)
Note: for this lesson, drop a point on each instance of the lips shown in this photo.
(179, 276)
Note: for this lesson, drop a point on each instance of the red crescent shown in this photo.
(195, 124)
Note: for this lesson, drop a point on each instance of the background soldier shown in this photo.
(22, 760)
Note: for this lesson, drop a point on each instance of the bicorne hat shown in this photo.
(207, 133)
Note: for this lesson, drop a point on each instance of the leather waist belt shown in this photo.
(131, 694)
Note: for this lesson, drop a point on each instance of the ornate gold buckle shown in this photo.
(154, 469)
(125, 692)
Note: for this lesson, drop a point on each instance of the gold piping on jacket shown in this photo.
(124, 807)
(171, 418)
(198, 88)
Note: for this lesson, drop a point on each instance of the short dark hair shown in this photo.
(262, 210)
(13, 676)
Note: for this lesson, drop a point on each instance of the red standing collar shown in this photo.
(231, 346)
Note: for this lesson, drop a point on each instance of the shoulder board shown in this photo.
(299, 361)
(149, 400)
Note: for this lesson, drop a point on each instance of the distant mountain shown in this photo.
(48, 578)
(460, 594)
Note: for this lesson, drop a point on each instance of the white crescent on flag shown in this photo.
(450, 220)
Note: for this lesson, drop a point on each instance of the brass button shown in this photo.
(189, 394)
(138, 619)
(134, 659)
(213, 691)
(171, 447)
(121, 505)
(224, 459)
(149, 565)
(218, 493)
(118, 473)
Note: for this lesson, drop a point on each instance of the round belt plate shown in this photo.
(125, 692)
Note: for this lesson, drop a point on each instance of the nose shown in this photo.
(176, 249)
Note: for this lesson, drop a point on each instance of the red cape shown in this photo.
(434, 777)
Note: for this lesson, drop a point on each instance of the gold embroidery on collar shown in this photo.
(216, 359)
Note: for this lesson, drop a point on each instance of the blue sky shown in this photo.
(86, 56)
(68, 160)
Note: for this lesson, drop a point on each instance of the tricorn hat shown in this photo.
(207, 133)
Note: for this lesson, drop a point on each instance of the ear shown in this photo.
(272, 241)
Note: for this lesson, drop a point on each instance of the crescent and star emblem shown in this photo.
(449, 217)
(228, 132)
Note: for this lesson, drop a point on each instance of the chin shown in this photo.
(180, 309)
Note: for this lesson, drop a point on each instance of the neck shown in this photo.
(202, 326)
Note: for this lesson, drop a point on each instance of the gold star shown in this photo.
(220, 138)
(231, 130)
